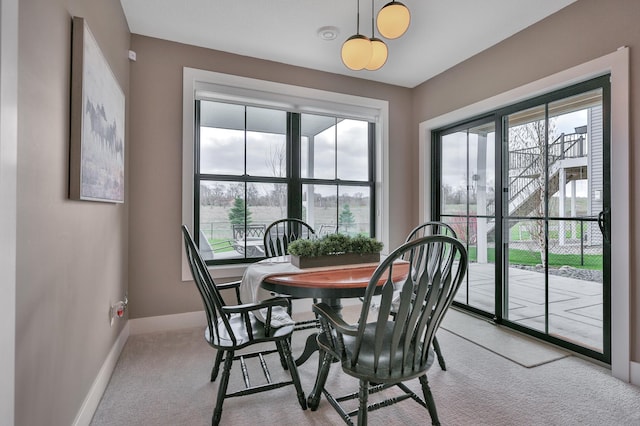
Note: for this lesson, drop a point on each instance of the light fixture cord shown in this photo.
(358, 23)
(373, 34)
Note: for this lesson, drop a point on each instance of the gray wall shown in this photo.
(581, 32)
(71, 256)
(155, 286)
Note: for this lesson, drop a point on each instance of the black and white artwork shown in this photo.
(98, 114)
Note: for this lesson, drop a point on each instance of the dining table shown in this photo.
(277, 276)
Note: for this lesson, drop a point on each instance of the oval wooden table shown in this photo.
(329, 284)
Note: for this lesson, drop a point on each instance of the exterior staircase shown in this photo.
(568, 152)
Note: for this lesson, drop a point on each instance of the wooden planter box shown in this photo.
(336, 259)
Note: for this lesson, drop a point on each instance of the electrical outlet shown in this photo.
(118, 309)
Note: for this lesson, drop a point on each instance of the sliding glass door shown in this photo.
(556, 173)
(467, 203)
(538, 240)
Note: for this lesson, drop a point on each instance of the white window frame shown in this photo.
(8, 206)
(616, 64)
(199, 84)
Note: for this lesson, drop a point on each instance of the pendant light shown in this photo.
(380, 51)
(357, 49)
(393, 20)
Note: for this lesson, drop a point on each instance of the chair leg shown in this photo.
(222, 388)
(283, 359)
(216, 365)
(436, 348)
(285, 351)
(363, 398)
(428, 397)
(324, 363)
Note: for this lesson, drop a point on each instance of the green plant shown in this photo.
(237, 213)
(302, 248)
(334, 244)
(346, 218)
(363, 244)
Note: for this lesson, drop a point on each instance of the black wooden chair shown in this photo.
(384, 351)
(431, 228)
(277, 238)
(279, 234)
(422, 230)
(234, 327)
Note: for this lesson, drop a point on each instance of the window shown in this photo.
(262, 151)
(256, 165)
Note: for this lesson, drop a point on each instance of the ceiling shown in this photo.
(441, 35)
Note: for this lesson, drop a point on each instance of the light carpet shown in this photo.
(163, 379)
(500, 340)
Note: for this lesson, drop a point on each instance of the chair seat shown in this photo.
(241, 335)
(388, 370)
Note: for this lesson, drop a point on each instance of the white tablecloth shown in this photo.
(251, 291)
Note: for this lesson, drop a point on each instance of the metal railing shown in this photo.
(529, 163)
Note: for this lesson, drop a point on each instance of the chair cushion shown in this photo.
(239, 328)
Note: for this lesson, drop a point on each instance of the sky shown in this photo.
(454, 171)
(222, 152)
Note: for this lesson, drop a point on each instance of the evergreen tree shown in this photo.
(346, 218)
(237, 212)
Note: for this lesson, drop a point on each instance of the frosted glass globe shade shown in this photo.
(379, 56)
(356, 52)
(393, 20)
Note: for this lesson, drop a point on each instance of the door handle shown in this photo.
(602, 223)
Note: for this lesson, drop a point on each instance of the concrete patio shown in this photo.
(575, 306)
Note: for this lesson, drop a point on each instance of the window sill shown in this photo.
(219, 272)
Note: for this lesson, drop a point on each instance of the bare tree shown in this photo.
(276, 160)
(235, 191)
(206, 195)
(217, 194)
(531, 140)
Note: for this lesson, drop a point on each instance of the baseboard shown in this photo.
(635, 373)
(91, 401)
(167, 322)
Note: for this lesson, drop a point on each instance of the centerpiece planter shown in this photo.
(303, 262)
(334, 249)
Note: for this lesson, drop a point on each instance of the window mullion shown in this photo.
(196, 174)
(294, 147)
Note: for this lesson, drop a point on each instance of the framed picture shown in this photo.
(96, 157)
